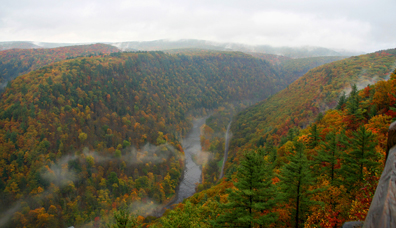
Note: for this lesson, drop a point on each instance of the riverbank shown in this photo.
(192, 172)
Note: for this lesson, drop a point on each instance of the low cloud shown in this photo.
(357, 27)
(59, 174)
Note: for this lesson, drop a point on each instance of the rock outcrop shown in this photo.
(382, 212)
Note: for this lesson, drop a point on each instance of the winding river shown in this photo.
(192, 173)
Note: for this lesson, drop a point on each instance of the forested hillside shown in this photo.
(304, 99)
(298, 67)
(320, 176)
(15, 62)
(73, 133)
(214, 131)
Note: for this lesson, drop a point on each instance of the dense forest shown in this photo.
(304, 99)
(15, 62)
(298, 67)
(82, 137)
(319, 176)
(87, 132)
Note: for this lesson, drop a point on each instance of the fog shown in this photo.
(341, 24)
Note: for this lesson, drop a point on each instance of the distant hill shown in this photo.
(274, 59)
(292, 52)
(31, 44)
(162, 45)
(15, 62)
(17, 44)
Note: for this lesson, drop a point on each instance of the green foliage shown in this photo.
(342, 101)
(191, 216)
(314, 136)
(329, 155)
(254, 194)
(363, 156)
(296, 177)
(123, 220)
(352, 104)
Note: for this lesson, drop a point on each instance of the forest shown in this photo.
(319, 176)
(91, 136)
(107, 129)
(309, 95)
(15, 62)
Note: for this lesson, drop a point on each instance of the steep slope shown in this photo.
(301, 101)
(292, 69)
(73, 134)
(289, 69)
(342, 154)
(15, 62)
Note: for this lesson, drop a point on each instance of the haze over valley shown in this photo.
(186, 114)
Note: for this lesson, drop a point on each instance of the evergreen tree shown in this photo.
(342, 101)
(271, 151)
(295, 179)
(314, 136)
(353, 104)
(293, 132)
(253, 195)
(329, 154)
(363, 156)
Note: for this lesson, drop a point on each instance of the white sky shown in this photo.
(356, 25)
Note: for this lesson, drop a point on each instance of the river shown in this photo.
(192, 173)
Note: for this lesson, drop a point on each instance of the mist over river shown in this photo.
(192, 173)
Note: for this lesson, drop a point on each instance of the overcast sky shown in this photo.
(357, 25)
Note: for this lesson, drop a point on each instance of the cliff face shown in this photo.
(382, 211)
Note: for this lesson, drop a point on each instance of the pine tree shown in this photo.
(293, 132)
(253, 195)
(329, 154)
(353, 104)
(295, 179)
(363, 156)
(271, 151)
(342, 101)
(314, 136)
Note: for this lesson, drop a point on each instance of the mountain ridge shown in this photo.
(162, 45)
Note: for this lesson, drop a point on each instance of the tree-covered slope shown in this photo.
(15, 62)
(323, 175)
(72, 133)
(295, 68)
(301, 101)
(289, 69)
